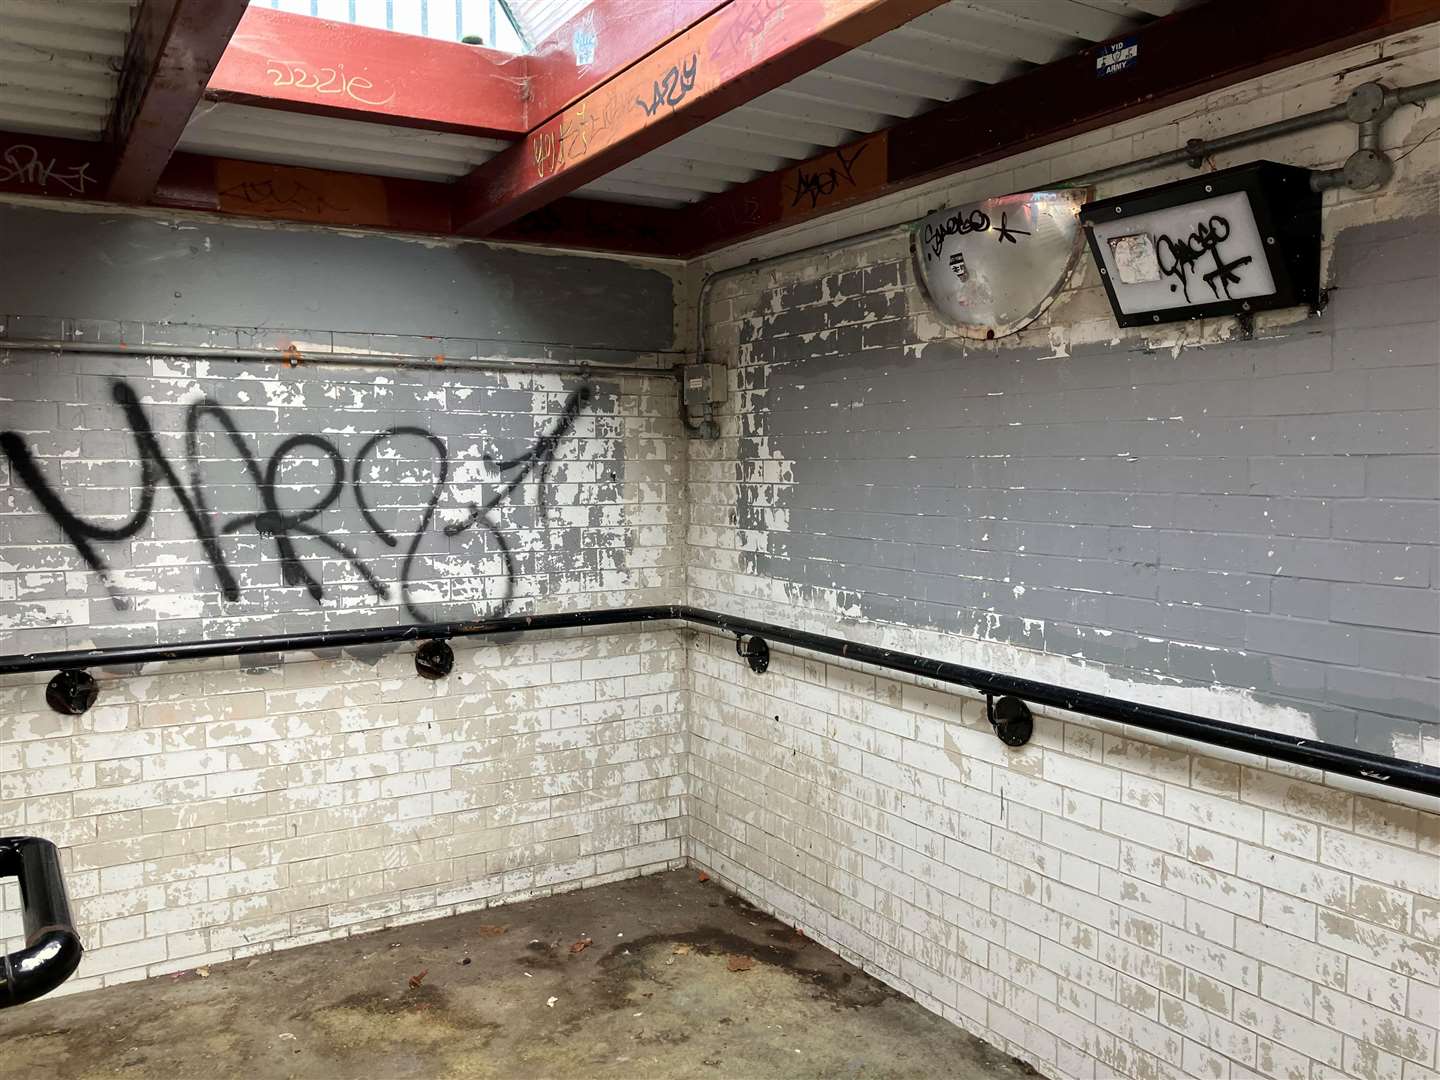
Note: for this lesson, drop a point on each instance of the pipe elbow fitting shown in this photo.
(46, 961)
(52, 947)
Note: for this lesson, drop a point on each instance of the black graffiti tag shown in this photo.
(959, 223)
(962, 223)
(153, 464)
(436, 487)
(823, 183)
(673, 87)
(270, 520)
(282, 195)
(1006, 232)
(1177, 258)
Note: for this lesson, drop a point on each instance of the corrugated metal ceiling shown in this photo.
(60, 64)
(286, 138)
(954, 50)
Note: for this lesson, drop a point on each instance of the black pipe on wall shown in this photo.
(1345, 761)
(52, 948)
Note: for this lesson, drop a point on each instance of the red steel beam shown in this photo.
(174, 46)
(293, 193)
(1182, 56)
(606, 37)
(303, 64)
(731, 57)
(71, 169)
(58, 168)
(326, 197)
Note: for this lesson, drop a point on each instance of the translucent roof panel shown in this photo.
(491, 21)
(538, 19)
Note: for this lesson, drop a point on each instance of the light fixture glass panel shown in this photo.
(1197, 253)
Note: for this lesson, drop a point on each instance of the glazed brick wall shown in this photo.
(1098, 903)
(215, 810)
(1103, 902)
(1248, 528)
(218, 809)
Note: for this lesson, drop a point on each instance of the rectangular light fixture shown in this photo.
(1227, 243)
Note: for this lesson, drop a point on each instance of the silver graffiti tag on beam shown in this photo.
(991, 268)
(23, 164)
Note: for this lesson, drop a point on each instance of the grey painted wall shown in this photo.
(1260, 515)
(146, 498)
(145, 270)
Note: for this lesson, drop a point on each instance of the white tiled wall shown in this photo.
(1097, 903)
(210, 811)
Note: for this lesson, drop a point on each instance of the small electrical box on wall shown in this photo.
(1228, 243)
(705, 384)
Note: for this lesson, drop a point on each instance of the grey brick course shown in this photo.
(1254, 514)
(603, 493)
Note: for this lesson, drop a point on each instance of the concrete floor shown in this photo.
(681, 980)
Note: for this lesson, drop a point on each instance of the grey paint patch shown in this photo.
(137, 269)
(565, 528)
(1242, 515)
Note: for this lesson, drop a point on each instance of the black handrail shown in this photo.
(123, 655)
(52, 948)
(1329, 757)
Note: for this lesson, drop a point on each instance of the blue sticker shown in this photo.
(1117, 57)
(583, 41)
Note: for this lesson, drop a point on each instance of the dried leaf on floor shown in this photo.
(490, 930)
(416, 980)
(581, 945)
(203, 972)
(704, 877)
(681, 950)
(739, 963)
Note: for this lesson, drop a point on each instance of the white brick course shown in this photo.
(302, 822)
(1236, 957)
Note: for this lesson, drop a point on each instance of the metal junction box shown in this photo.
(705, 385)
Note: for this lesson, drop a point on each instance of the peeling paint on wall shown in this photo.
(287, 526)
(172, 499)
(1255, 519)
(209, 500)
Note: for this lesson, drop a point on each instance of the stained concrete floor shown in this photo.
(680, 979)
